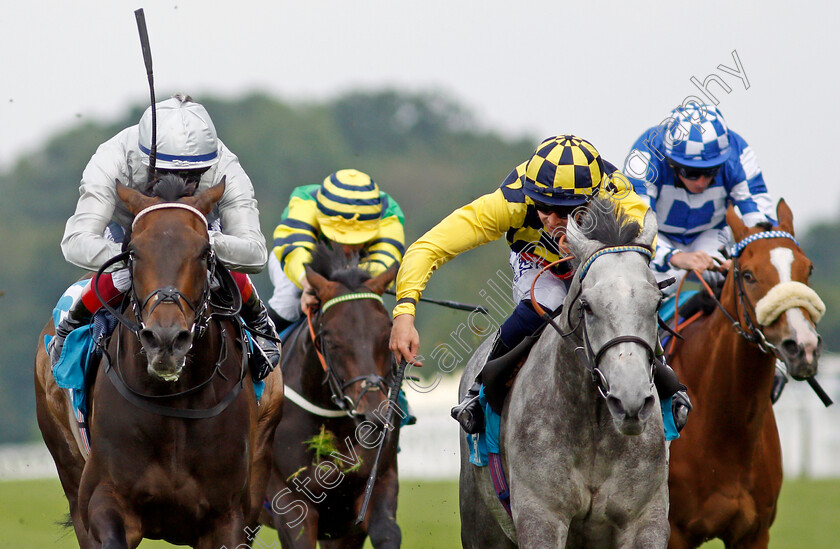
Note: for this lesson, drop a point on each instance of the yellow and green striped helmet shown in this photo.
(349, 207)
(565, 171)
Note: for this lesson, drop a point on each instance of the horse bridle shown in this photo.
(585, 352)
(166, 294)
(337, 385)
(750, 332)
(171, 294)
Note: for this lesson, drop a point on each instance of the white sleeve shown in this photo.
(83, 243)
(241, 244)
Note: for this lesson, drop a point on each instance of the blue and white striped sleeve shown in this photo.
(746, 185)
(644, 165)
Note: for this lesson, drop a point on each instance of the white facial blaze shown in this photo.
(782, 260)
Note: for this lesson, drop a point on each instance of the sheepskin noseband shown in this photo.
(788, 295)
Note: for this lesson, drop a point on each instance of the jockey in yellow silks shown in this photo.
(347, 209)
(530, 209)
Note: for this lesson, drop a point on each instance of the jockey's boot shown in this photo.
(77, 316)
(469, 412)
(780, 379)
(266, 354)
(668, 386)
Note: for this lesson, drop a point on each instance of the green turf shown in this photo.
(809, 516)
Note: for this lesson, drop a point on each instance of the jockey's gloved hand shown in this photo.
(681, 406)
(780, 379)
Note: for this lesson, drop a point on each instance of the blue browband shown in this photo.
(611, 250)
(736, 250)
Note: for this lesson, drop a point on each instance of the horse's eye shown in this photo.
(586, 306)
(748, 276)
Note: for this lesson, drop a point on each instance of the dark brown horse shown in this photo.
(726, 469)
(179, 448)
(326, 443)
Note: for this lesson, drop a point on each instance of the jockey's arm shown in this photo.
(83, 243)
(484, 220)
(241, 245)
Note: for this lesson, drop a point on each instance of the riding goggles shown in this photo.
(693, 174)
(560, 211)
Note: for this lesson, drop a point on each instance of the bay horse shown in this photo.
(726, 469)
(337, 369)
(179, 448)
(582, 439)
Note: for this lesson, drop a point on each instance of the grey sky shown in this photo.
(605, 71)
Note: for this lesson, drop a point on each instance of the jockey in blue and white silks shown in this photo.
(689, 169)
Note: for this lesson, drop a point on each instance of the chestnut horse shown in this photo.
(726, 469)
(337, 371)
(179, 447)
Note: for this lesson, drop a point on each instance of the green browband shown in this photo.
(350, 297)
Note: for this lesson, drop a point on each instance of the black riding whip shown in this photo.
(389, 414)
(450, 304)
(147, 59)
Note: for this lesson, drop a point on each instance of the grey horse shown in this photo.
(586, 461)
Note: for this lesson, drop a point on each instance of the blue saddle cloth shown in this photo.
(80, 349)
(487, 442)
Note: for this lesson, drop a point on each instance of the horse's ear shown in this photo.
(135, 200)
(785, 216)
(324, 288)
(206, 199)
(379, 283)
(649, 230)
(739, 230)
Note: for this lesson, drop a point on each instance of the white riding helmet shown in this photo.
(186, 137)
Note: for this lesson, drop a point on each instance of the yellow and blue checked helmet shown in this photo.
(349, 207)
(564, 171)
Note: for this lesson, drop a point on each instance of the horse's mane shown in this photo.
(607, 223)
(169, 188)
(333, 265)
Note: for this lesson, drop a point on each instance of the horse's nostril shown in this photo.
(791, 347)
(183, 342)
(148, 339)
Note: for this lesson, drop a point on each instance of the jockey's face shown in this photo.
(554, 218)
(351, 249)
(698, 185)
(553, 223)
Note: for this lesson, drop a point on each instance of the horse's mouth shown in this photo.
(166, 368)
(630, 426)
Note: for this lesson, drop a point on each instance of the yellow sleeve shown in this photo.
(484, 220)
(387, 248)
(295, 238)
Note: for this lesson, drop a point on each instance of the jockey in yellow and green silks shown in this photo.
(347, 209)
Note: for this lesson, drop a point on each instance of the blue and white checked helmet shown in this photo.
(186, 137)
(697, 136)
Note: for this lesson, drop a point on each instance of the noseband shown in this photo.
(338, 386)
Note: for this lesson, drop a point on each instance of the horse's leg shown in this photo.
(228, 531)
(356, 541)
(537, 526)
(678, 540)
(382, 524)
(293, 516)
(106, 520)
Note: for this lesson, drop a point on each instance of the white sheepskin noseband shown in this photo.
(788, 295)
